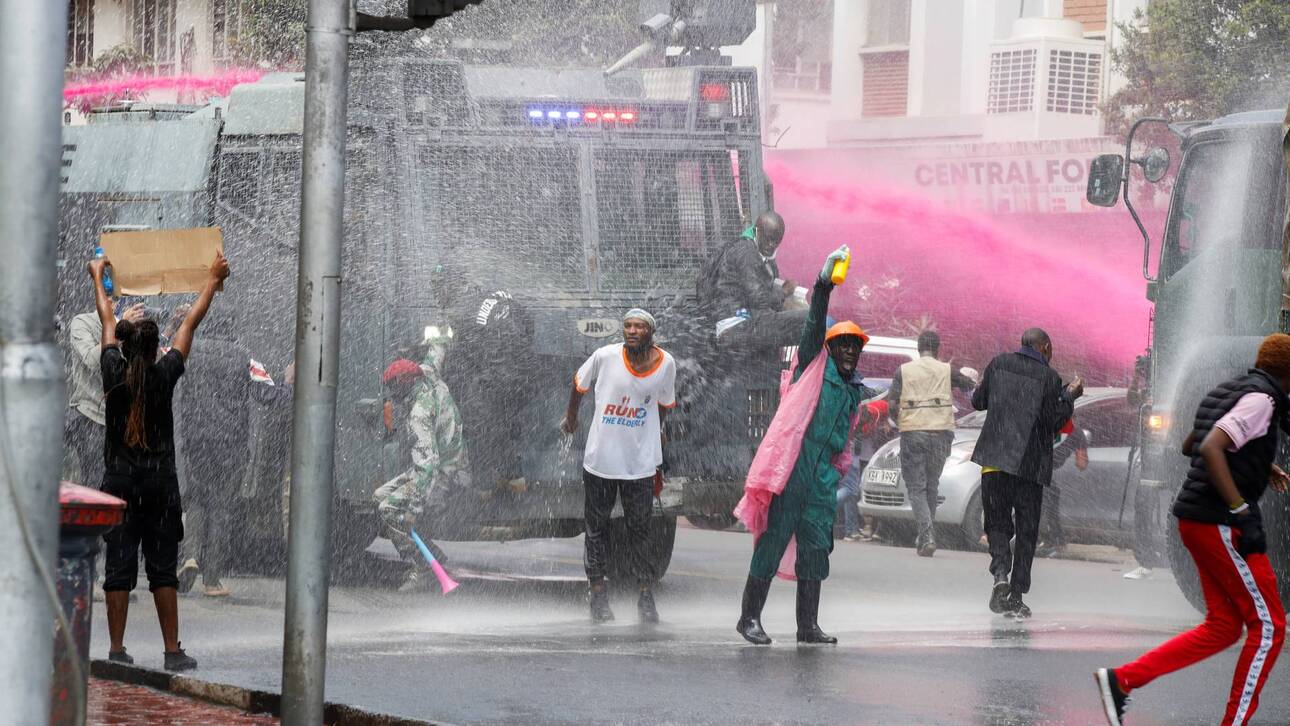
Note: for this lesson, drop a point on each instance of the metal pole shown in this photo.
(32, 395)
(304, 649)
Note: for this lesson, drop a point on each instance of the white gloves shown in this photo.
(837, 255)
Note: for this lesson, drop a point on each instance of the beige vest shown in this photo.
(926, 403)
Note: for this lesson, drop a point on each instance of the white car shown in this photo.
(1091, 498)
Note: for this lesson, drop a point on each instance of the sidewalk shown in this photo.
(120, 703)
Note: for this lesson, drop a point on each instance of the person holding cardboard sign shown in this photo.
(139, 455)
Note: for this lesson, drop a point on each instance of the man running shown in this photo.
(1232, 446)
(635, 385)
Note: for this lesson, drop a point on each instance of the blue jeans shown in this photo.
(849, 498)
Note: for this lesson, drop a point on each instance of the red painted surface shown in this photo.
(85, 507)
(119, 703)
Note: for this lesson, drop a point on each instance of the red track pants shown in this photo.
(1238, 591)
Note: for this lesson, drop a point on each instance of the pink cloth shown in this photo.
(773, 463)
(1248, 420)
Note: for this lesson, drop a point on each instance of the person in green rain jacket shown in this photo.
(808, 503)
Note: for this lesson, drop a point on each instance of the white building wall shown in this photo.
(950, 43)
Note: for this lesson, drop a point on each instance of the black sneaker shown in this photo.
(1016, 608)
(600, 611)
(178, 660)
(1114, 700)
(999, 595)
(120, 656)
(645, 606)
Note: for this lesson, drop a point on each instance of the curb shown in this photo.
(246, 699)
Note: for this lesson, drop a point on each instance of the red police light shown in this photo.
(714, 92)
(627, 116)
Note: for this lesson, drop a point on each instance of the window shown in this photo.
(80, 33)
(226, 28)
(802, 45)
(1012, 81)
(1221, 200)
(152, 23)
(1111, 423)
(888, 23)
(1073, 81)
(886, 84)
(660, 214)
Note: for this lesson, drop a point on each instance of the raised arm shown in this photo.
(103, 304)
(183, 340)
(981, 396)
(813, 332)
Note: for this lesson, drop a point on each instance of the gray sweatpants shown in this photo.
(922, 457)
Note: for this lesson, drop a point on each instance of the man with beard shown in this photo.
(803, 505)
(635, 385)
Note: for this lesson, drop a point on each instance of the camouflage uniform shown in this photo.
(438, 474)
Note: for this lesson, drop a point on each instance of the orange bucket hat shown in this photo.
(846, 327)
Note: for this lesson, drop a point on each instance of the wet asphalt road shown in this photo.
(513, 644)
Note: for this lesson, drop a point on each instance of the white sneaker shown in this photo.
(1142, 573)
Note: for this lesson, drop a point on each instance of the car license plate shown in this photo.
(886, 477)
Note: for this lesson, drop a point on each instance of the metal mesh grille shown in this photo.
(239, 179)
(1012, 81)
(660, 212)
(434, 94)
(284, 216)
(883, 499)
(509, 216)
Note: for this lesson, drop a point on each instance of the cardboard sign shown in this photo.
(159, 261)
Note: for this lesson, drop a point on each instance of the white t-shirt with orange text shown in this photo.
(625, 440)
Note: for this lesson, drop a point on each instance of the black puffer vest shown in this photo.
(1198, 499)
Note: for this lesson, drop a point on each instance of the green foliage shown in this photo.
(273, 34)
(1197, 59)
(121, 60)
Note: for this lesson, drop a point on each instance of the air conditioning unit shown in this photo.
(1045, 81)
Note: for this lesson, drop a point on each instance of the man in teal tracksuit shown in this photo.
(808, 504)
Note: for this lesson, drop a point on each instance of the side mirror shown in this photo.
(1155, 164)
(1104, 180)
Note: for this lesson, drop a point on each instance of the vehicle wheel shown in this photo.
(1184, 569)
(716, 522)
(973, 527)
(662, 537)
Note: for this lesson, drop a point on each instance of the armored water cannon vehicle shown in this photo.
(583, 195)
(1217, 286)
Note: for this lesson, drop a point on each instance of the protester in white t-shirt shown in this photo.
(635, 385)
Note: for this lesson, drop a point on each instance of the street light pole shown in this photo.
(304, 649)
(32, 395)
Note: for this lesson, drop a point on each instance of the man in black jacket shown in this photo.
(744, 276)
(1027, 406)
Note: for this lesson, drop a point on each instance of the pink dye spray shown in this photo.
(981, 278)
(139, 85)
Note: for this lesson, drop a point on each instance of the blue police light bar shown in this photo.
(574, 115)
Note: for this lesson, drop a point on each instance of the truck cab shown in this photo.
(1216, 281)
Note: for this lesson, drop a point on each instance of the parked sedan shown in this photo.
(1091, 499)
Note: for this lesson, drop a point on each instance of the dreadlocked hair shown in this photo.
(139, 343)
(1274, 355)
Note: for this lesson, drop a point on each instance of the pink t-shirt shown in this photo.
(1248, 420)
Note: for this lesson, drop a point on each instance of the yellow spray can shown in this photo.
(839, 274)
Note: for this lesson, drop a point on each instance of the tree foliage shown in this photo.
(1197, 59)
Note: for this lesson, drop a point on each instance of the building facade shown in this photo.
(177, 37)
(867, 72)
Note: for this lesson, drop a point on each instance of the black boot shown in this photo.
(600, 611)
(808, 611)
(749, 625)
